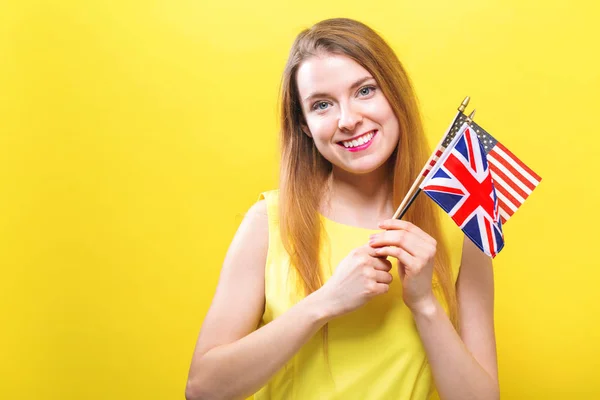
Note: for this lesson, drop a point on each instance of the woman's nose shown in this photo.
(349, 118)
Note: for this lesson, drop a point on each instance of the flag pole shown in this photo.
(408, 198)
(402, 211)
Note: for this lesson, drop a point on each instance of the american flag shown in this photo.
(514, 181)
(461, 183)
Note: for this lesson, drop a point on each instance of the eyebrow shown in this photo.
(353, 86)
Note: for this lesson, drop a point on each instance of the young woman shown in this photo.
(320, 254)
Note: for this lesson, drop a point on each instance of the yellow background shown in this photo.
(135, 134)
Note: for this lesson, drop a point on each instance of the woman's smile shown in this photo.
(359, 143)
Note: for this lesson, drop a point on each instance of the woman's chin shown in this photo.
(361, 168)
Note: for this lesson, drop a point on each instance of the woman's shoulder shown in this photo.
(269, 204)
(254, 226)
(258, 211)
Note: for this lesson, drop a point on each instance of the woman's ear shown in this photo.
(305, 129)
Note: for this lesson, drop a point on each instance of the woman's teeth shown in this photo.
(360, 141)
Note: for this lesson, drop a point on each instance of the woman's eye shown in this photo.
(367, 90)
(321, 105)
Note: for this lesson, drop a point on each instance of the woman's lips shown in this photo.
(363, 146)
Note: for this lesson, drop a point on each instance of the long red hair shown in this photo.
(304, 171)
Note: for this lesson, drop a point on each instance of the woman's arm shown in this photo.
(464, 367)
(232, 359)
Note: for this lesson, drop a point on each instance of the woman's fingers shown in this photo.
(398, 225)
(408, 241)
(383, 277)
(382, 263)
(402, 255)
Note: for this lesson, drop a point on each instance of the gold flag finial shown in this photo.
(464, 104)
(470, 117)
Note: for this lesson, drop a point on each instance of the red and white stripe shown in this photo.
(436, 157)
(513, 180)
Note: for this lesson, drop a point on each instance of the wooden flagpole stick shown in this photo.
(420, 177)
(401, 211)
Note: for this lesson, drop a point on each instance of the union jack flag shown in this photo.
(461, 183)
(514, 181)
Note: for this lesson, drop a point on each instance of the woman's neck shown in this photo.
(359, 200)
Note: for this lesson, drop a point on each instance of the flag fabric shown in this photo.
(458, 123)
(438, 153)
(461, 183)
(514, 181)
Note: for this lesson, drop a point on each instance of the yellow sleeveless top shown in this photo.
(375, 352)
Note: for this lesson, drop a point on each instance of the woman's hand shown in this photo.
(415, 251)
(358, 278)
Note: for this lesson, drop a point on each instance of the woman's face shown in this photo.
(347, 115)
